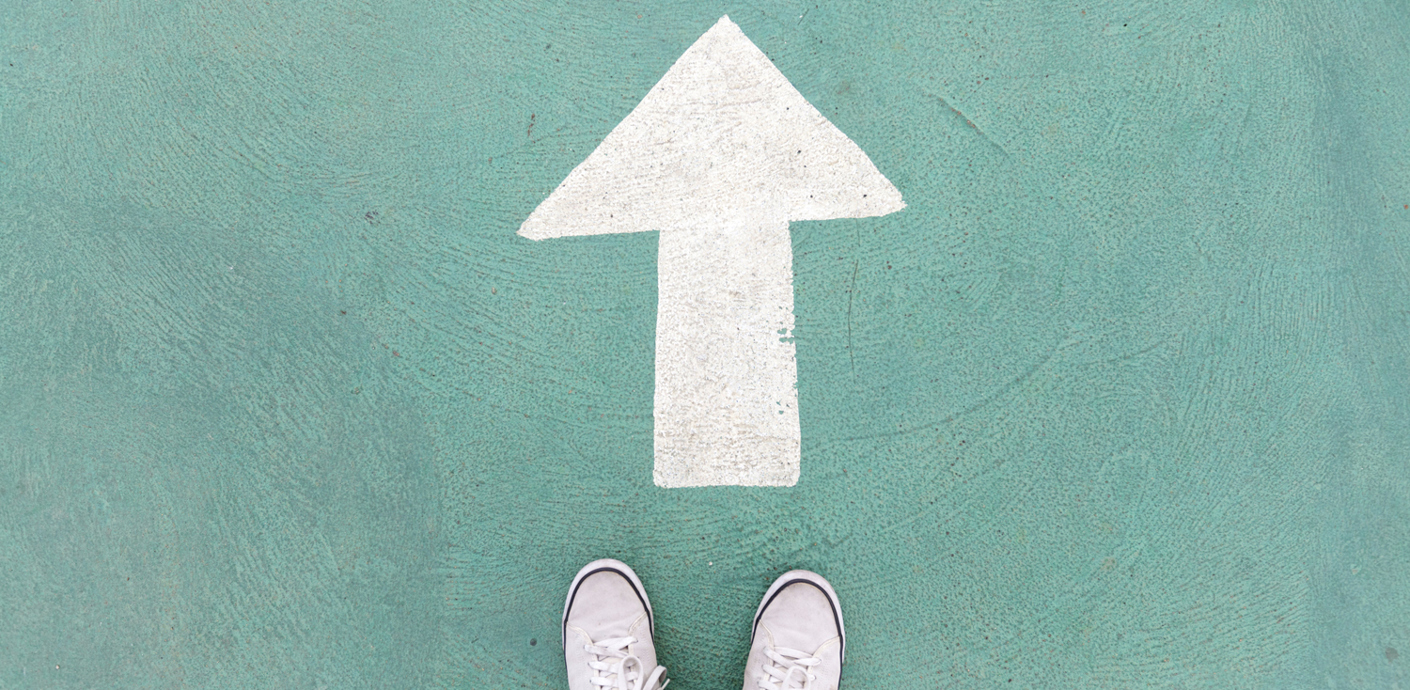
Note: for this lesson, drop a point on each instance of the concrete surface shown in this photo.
(1119, 400)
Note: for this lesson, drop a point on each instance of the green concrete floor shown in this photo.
(1120, 400)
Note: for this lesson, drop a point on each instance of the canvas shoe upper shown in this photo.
(798, 641)
(608, 641)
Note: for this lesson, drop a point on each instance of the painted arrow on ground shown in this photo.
(719, 156)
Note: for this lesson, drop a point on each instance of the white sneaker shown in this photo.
(607, 631)
(798, 642)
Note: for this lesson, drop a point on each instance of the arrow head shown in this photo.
(722, 134)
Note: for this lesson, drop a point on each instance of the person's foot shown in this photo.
(798, 640)
(607, 631)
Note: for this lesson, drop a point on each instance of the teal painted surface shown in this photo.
(1119, 400)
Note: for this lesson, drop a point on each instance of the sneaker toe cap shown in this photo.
(800, 617)
(606, 605)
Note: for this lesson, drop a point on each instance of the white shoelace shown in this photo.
(786, 669)
(616, 669)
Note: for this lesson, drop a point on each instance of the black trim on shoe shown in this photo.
(606, 569)
(836, 620)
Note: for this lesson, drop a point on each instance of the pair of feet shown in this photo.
(608, 633)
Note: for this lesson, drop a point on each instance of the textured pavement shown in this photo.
(1120, 399)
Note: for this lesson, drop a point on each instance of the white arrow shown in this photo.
(719, 157)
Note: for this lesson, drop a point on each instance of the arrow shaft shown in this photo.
(726, 409)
